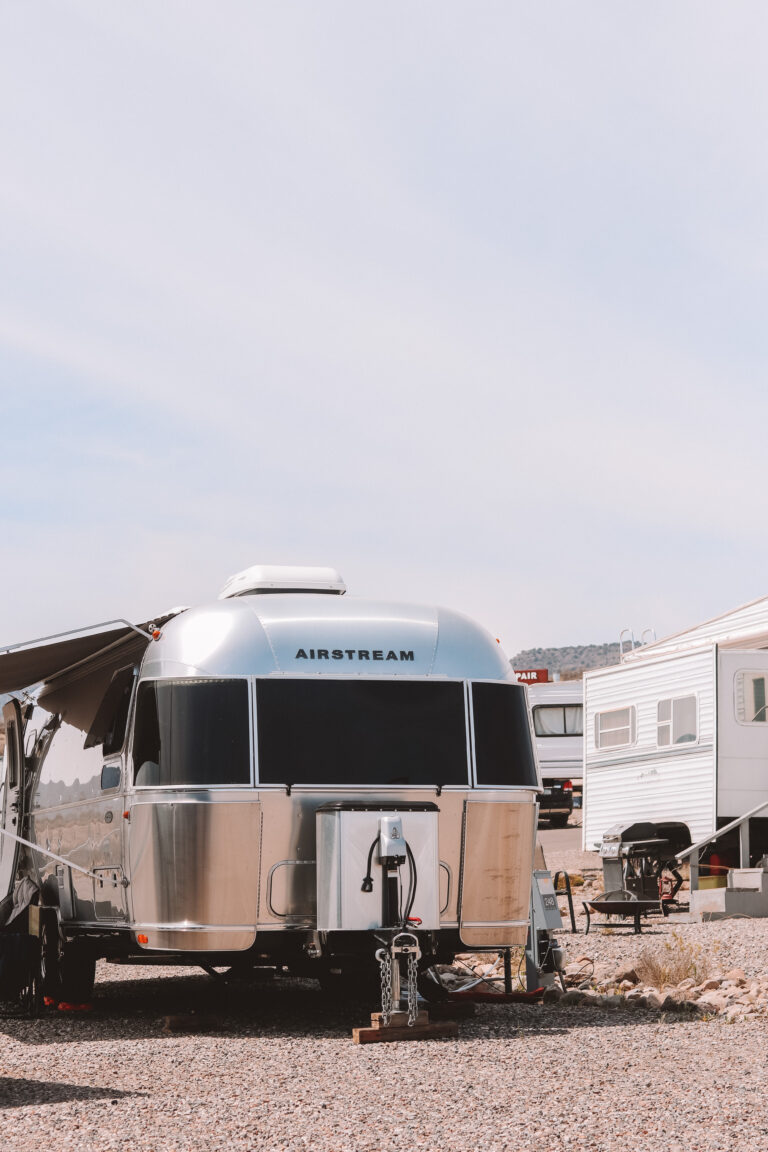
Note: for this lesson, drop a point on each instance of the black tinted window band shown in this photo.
(504, 753)
(192, 733)
(361, 732)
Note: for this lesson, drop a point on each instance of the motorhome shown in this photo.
(285, 776)
(557, 710)
(678, 731)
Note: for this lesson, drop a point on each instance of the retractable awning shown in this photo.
(36, 661)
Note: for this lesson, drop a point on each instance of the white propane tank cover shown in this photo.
(267, 578)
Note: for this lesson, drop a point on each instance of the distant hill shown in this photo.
(571, 662)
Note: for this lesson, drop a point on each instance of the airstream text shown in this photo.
(352, 654)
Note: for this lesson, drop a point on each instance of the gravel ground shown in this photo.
(272, 1066)
(738, 943)
(727, 944)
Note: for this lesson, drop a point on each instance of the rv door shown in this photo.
(11, 794)
(742, 732)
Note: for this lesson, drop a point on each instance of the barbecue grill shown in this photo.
(636, 856)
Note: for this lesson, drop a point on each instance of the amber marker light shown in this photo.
(142, 939)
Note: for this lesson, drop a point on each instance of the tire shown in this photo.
(50, 954)
(355, 987)
(431, 988)
(32, 996)
(77, 974)
(559, 819)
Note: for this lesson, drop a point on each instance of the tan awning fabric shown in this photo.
(26, 664)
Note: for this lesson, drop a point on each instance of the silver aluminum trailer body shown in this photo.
(176, 788)
(678, 731)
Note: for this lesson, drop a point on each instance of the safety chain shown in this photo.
(384, 958)
(413, 995)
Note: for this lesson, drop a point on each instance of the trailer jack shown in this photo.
(400, 1017)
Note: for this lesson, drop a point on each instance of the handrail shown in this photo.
(630, 641)
(566, 891)
(727, 828)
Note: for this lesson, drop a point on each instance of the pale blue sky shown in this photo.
(466, 300)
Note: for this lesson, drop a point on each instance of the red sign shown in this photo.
(532, 675)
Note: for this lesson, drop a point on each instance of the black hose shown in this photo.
(367, 885)
(411, 885)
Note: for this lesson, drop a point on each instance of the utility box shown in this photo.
(347, 837)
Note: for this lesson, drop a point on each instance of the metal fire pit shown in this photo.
(624, 904)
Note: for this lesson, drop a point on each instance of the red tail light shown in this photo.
(567, 786)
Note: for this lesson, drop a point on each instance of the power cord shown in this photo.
(367, 885)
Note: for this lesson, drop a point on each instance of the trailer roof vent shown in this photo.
(265, 578)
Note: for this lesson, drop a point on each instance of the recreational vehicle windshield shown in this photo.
(223, 784)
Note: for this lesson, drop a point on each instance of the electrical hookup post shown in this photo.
(543, 954)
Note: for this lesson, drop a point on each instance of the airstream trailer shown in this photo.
(285, 776)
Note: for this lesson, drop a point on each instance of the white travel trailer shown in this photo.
(557, 711)
(284, 776)
(679, 732)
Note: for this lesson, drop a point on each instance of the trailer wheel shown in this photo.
(431, 986)
(77, 974)
(50, 955)
(355, 986)
(32, 996)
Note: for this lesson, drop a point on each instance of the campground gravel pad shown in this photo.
(273, 1066)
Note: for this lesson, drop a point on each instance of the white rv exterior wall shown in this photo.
(744, 627)
(643, 781)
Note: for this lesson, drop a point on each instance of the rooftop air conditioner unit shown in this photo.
(266, 578)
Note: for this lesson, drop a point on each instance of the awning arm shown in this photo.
(62, 860)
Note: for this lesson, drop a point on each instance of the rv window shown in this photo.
(110, 777)
(676, 721)
(503, 746)
(361, 732)
(615, 729)
(108, 727)
(192, 733)
(558, 720)
(751, 697)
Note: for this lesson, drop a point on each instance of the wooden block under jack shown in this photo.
(397, 1020)
(397, 1029)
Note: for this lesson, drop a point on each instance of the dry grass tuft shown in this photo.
(676, 960)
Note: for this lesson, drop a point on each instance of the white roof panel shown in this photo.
(746, 626)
